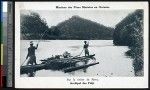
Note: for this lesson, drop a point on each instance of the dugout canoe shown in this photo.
(79, 67)
(55, 64)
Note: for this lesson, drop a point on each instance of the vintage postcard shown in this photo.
(81, 44)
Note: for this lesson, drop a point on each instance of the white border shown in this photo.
(60, 82)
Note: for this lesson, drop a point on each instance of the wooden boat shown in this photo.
(31, 68)
(79, 67)
(56, 64)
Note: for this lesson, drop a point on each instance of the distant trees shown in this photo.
(80, 28)
(32, 26)
(129, 32)
(55, 31)
(75, 28)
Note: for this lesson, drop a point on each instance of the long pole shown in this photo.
(79, 54)
(23, 62)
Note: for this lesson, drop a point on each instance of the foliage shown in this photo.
(80, 28)
(32, 26)
(129, 32)
(75, 28)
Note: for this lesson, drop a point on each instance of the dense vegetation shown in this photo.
(32, 26)
(79, 28)
(129, 32)
(75, 28)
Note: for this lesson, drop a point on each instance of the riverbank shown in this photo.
(137, 54)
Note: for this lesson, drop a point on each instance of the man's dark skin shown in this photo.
(31, 54)
(86, 45)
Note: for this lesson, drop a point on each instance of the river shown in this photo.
(112, 59)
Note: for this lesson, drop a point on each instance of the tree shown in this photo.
(32, 26)
(129, 32)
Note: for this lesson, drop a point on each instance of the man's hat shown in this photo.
(31, 42)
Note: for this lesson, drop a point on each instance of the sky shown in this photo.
(106, 17)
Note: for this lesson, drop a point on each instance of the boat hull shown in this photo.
(55, 64)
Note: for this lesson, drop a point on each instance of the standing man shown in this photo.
(86, 45)
(31, 54)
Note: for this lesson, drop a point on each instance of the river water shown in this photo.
(112, 59)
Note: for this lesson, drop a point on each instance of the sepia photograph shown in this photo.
(76, 41)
